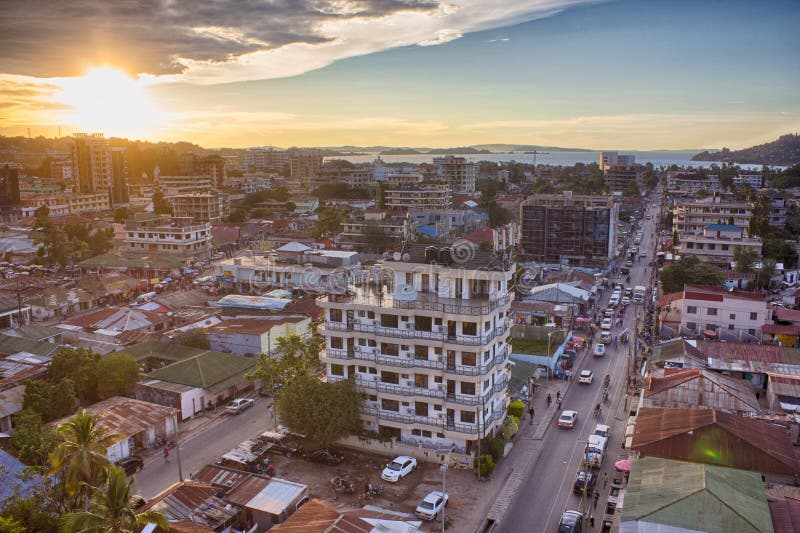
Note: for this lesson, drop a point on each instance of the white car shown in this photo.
(567, 419)
(599, 349)
(399, 468)
(585, 376)
(431, 505)
(605, 324)
(239, 404)
(625, 300)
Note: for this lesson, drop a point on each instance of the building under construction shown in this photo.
(566, 229)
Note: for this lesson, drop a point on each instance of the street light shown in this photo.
(443, 468)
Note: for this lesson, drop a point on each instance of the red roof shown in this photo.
(785, 515)
(481, 235)
(734, 351)
(667, 299)
(781, 329)
(713, 293)
(785, 315)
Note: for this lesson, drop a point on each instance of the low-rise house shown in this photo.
(716, 438)
(15, 483)
(319, 516)
(138, 424)
(717, 243)
(559, 293)
(13, 375)
(731, 315)
(59, 302)
(676, 496)
(540, 313)
(12, 314)
(697, 388)
(112, 321)
(252, 336)
(193, 507)
(36, 333)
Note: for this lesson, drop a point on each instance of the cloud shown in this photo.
(499, 40)
(205, 41)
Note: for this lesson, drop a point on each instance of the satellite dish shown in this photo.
(406, 257)
(396, 256)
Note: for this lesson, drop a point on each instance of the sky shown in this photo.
(625, 74)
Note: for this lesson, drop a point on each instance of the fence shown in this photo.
(454, 459)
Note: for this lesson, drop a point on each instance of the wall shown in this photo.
(192, 403)
(393, 449)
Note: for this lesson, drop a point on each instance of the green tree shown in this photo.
(765, 274)
(780, 250)
(111, 511)
(238, 216)
(121, 214)
(689, 270)
(313, 346)
(33, 441)
(329, 219)
(631, 190)
(81, 457)
(744, 257)
(9, 525)
(120, 373)
(161, 206)
(325, 411)
(79, 365)
(100, 241)
(196, 338)
(374, 237)
(50, 400)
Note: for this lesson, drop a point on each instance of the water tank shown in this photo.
(430, 254)
(444, 256)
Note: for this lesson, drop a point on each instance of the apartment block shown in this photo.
(457, 172)
(394, 224)
(210, 206)
(717, 312)
(304, 162)
(338, 171)
(119, 177)
(691, 182)
(717, 243)
(421, 197)
(397, 175)
(693, 216)
(91, 163)
(174, 185)
(428, 346)
(87, 203)
(212, 166)
(752, 179)
(619, 170)
(266, 158)
(777, 208)
(569, 229)
(163, 233)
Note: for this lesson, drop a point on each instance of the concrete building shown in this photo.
(339, 171)
(754, 180)
(79, 204)
(10, 207)
(717, 243)
(777, 208)
(209, 206)
(91, 163)
(394, 224)
(429, 347)
(619, 170)
(693, 216)
(304, 162)
(266, 158)
(691, 182)
(162, 233)
(717, 312)
(448, 221)
(569, 229)
(252, 336)
(173, 185)
(457, 172)
(421, 197)
(119, 177)
(398, 175)
(212, 166)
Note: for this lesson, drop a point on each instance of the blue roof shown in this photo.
(429, 230)
(245, 301)
(14, 484)
(723, 227)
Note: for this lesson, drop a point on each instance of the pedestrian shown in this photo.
(758, 395)
(166, 455)
(559, 403)
(531, 412)
(596, 497)
(605, 479)
(591, 520)
(558, 396)
(271, 412)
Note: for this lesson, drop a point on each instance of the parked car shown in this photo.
(571, 522)
(583, 481)
(431, 505)
(131, 464)
(599, 349)
(586, 377)
(399, 468)
(326, 457)
(239, 404)
(281, 443)
(568, 419)
(605, 336)
(605, 324)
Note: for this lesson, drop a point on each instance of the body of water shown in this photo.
(657, 158)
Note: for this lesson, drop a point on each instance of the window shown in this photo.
(426, 434)
(335, 315)
(421, 381)
(390, 405)
(725, 247)
(753, 316)
(691, 310)
(437, 407)
(421, 408)
(711, 327)
(337, 370)
(712, 246)
(730, 327)
(733, 316)
(337, 343)
(711, 311)
(690, 245)
(390, 377)
(390, 349)
(691, 325)
(468, 417)
(468, 388)
(362, 369)
(468, 358)
(469, 328)
(421, 352)
(389, 321)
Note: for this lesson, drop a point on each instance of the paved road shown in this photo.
(203, 448)
(547, 490)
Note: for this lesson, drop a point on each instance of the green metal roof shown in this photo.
(210, 370)
(11, 345)
(152, 260)
(696, 497)
(36, 332)
(161, 350)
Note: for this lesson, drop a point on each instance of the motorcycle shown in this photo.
(373, 491)
(341, 485)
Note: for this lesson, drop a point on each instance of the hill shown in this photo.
(785, 151)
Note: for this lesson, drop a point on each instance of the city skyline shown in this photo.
(588, 74)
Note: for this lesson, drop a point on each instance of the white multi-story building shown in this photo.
(717, 243)
(428, 346)
(458, 173)
(173, 185)
(690, 182)
(752, 179)
(423, 197)
(266, 158)
(210, 206)
(721, 313)
(406, 175)
(693, 216)
(163, 233)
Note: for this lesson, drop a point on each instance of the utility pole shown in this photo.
(177, 445)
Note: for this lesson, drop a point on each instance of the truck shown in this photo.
(595, 450)
(639, 293)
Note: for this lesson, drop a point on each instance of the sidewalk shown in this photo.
(186, 431)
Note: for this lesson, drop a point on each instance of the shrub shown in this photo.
(485, 465)
(496, 448)
(516, 408)
(510, 427)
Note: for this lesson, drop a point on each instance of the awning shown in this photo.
(582, 320)
(710, 333)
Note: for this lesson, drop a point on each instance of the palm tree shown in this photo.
(110, 510)
(81, 456)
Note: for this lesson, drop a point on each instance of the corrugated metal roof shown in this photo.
(317, 516)
(12, 372)
(33, 332)
(126, 416)
(11, 400)
(193, 502)
(735, 351)
(784, 385)
(11, 345)
(714, 437)
(314, 516)
(785, 515)
(13, 481)
(697, 387)
(696, 497)
(209, 370)
(275, 497)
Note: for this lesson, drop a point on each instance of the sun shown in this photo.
(108, 101)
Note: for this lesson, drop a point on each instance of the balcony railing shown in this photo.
(402, 390)
(468, 340)
(441, 423)
(405, 362)
(424, 302)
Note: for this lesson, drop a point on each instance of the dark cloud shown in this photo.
(62, 37)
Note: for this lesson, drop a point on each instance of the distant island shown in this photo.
(461, 150)
(782, 152)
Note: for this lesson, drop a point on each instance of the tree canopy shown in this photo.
(120, 372)
(689, 270)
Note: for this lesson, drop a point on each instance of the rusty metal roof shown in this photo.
(714, 437)
(785, 515)
(784, 385)
(246, 490)
(193, 502)
(126, 416)
(698, 387)
(219, 476)
(316, 516)
(734, 351)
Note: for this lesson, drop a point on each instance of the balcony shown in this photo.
(423, 392)
(467, 340)
(394, 416)
(425, 301)
(361, 354)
